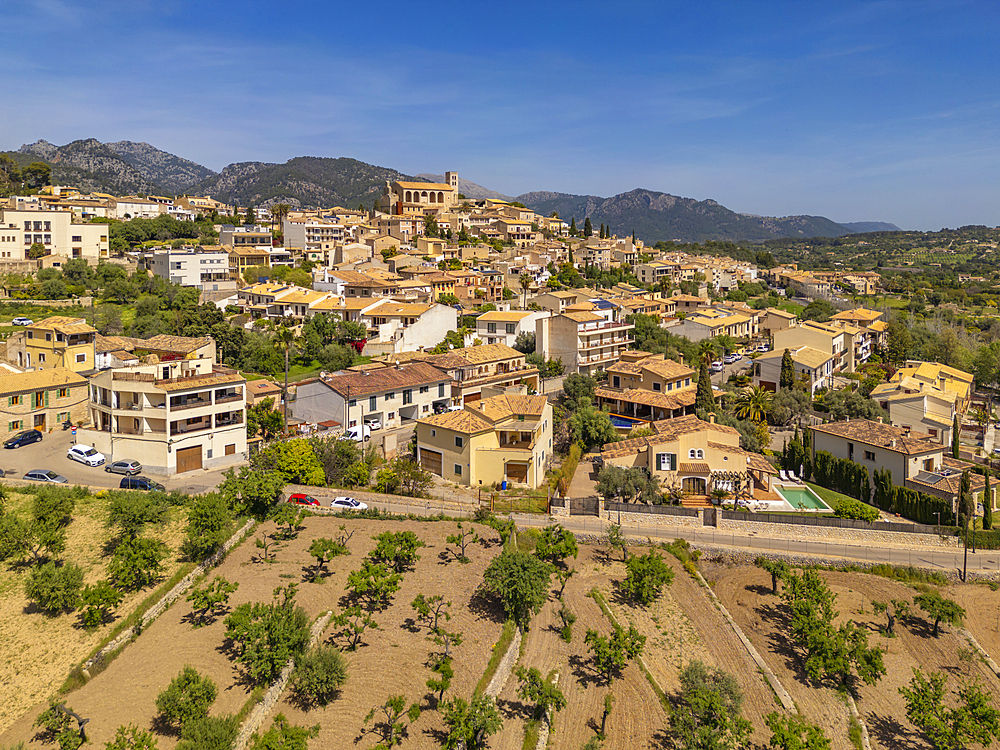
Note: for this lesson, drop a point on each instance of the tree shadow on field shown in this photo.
(921, 628)
(439, 736)
(515, 709)
(583, 672)
(412, 625)
(888, 732)
(164, 727)
(484, 606)
(759, 589)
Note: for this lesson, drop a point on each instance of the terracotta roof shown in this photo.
(261, 387)
(804, 355)
(694, 468)
(487, 353)
(582, 317)
(859, 313)
(363, 383)
(180, 344)
(506, 405)
(666, 368)
(506, 317)
(878, 434)
(673, 428)
(459, 421)
(673, 400)
(780, 313)
(754, 460)
(64, 324)
(21, 382)
(184, 384)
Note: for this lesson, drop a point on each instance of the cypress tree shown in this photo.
(588, 228)
(956, 447)
(787, 377)
(572, 227)
(987, 503)
(704, 401)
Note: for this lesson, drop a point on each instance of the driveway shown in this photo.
(50, 453)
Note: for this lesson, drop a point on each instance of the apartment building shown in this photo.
(134, 207)
(172, 417)
(695, 457)
(55, 231)
(826, 338)
(473, 368)
(654, 272)
(814, 366)
(123, 351)
(777, 320)
(281, 301)
(313, 236)
(915, 405)
(646, 387)
(205, 269)
(941, 377)
(504, 438)
(58, 341)
(586, 342)
(406, 327)
(870, 320)
(503, 327)
(41, 400)
(395, 395)
(246, 237)
(710, 323)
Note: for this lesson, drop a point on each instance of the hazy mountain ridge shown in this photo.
(126, 167)
(861, 227)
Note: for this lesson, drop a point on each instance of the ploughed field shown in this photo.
(684, 624)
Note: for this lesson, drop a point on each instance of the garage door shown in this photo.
(188, 459)
(430, 461)
(517, 473)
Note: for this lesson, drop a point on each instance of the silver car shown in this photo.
(126, 466)
(45, 475)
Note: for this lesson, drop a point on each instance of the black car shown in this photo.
(139, 483)
(23, 438)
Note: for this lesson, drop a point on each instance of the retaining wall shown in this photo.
(836, 534)
(505, 666)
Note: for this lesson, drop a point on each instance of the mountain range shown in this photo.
(127, 167)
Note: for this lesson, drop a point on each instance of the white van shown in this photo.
(359, 433)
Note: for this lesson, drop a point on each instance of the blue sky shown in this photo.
(859, 111)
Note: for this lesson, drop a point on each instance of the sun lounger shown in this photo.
(784, 475)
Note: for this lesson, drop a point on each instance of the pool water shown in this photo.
(803, 496)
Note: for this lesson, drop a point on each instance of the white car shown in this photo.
(85, 454)
(374, 424)
(717, 366)
(730, 358)
(357, 434)
(22, 321)
(347, 503)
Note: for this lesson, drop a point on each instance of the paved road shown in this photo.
(924, 557)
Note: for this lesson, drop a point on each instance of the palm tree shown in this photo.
(753, 403)
(525, 283)
(278, 212)
(707, 350)
(284, 338)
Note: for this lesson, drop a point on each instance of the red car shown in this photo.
(301, 499)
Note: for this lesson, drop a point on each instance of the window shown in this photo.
(933, 432)
(14, 401)
(869, 455)
(48, 336)
(352, 402)
(670, 386)
(31, 335)
(372, 403)
(81, 357)
(459, 441)
(389, 396)
(408, 396)
(657, 386)
(616, 382)
(666, 462)
(687, 381)
(491, 328)
(425, 388)
(16, 425)
(510, 328)
(41, 357)
(458, 469)
(392, 415)
(62, 416)
(63, 392)
(440, 390)
(434, 433)
(696, 453)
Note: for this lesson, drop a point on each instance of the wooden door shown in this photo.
(430, 461)
(188, 459)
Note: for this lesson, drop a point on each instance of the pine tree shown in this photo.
(956, 447)
(787, 377)
(588, 228)
(987, 503)
(704, 400)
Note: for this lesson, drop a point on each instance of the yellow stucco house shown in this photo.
(500, 438)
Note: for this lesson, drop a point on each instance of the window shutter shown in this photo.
(659, 461)
(46, 398)
(10, 401)
(673, 462)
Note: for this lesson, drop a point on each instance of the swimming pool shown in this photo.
(801, 497)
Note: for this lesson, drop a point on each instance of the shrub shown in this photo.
(209, 733)
(319, 675)
(647, 575)
(189, 696)
(856, 510)
(54, 588)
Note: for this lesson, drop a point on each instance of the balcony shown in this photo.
(191, 403)
(228, 420)
(176, 429)
(222, 397)
(605, 342)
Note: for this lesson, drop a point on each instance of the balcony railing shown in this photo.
(226, 398)
(587, 329)
(228, 422)
(605, 342)
(190, 404)
(190, 428)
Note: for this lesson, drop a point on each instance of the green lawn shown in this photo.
(829, 497)
(791, 307)
(897, 302)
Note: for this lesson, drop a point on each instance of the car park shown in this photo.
(139, 483)
(85, 454)
(717, 366)
(347, 503)
(302, 499)
(126, 466)
(22, 321)
(45, 475)
(23, 438)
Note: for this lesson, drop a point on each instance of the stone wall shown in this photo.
(654, 519)
(836, 534)
(263, 708)
(169, 598)
(505, 666)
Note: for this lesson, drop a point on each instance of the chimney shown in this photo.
(880, 420)
(680, 358)
(711, 417)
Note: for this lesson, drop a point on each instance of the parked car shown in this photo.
(22, 321)
(139, 483)
(732, 357)
(717, 366)
(45, 475)
(85, 454)
(348, 503)
(359, 433)
(301, 499)
(374, 424)
(126, 466)
(763, 348)
(23, 438)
